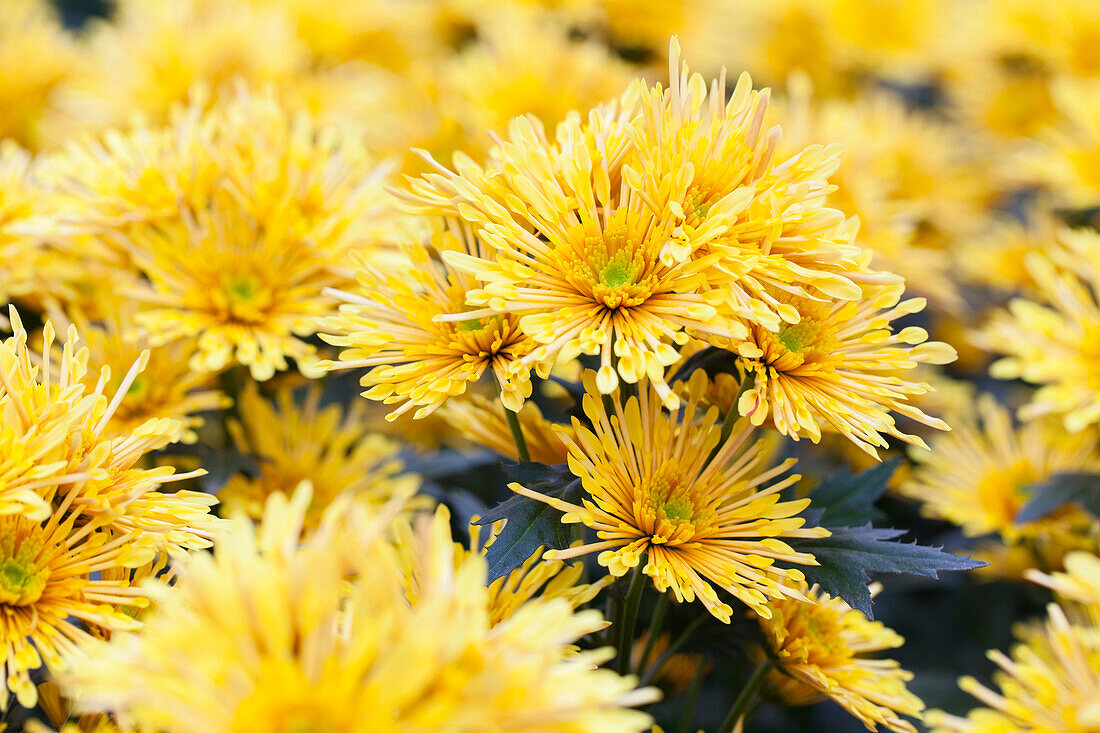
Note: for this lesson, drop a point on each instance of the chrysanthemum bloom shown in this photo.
(837, 368)
(59, 714)
(1051, 338)
(545, 579)
(608, 243)
(148, 56)
(166, 388)
(978, 477)
(912, 181)
(840, 42)
(520, 52)
(326, 446)
(1079, 583)
(237, 218)
(29, 269)
(60, 450)
(1068, 162)
(54, 589)
(758, 215)
(819, 650)
(400, 327)
(326, 643)
(1050, 684)
(37, 56)
(482, 422)
(654, 498)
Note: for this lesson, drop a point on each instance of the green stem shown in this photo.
(748, 695)
(672, 648)
(517, 435)
(733, 414)
(655, 623)
(692, 696)
(629, 617)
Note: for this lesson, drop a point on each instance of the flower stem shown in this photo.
(672, 648)
(748, 695)
(733, 414)
(692, 696)
(517, 435)
(655, 623)
(628, 617)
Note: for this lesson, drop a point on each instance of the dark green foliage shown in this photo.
(1060, 489)
(530, 524)
(850, 554)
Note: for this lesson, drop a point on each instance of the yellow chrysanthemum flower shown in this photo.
(338, 629)
(605, 244)
(237, 218)
(1080, 583)
(59, 713)
(535, 577)
(149, 55)
(166, 388)
(50, 592)
(837, 367)
(1050, 339)
(520, 52)
(652, 495)
(482, 422)
(819, 650)
(1068, 162)
(840, 43)
(978, 477)
(1050, 684)
(327, 446)
(30, 269)
(59, 450)
(400, 326)
(37, 57)
(909, 179)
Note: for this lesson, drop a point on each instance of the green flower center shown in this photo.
(616, 274)
(796, 337)
(679, 509)
(242, 289)
(20, 583)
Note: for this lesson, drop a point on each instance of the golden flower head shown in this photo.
(148, 56)
(481, 421)
(50, 595)
(59, 448)
(520, 52)
(653, 497)
(1050, 337)
(37, 58)
(605, 244)
(819, 647)
(1068, 161)
(978, 476)
(1079, 583)
(167, 388)
(327, 446)
(338, 628)
(402, 327)
(1049, 683)
(237, 218)
(836, 367)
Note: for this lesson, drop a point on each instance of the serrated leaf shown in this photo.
(1060, 489)
(530, 524)
(847, 500)
(850, 554)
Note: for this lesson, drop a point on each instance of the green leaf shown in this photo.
(1060, 489)
(850, 554)
(711, 360)
(530, 524)
(846, 500)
